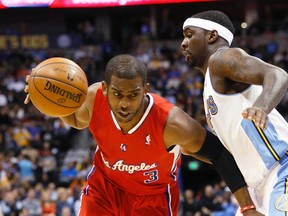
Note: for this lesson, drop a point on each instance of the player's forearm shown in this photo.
(223, 162)
(247, 207)
(70, 120)
(274, 87)
(243, 197)
(73, 122)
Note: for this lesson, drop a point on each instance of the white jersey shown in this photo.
(255, 151)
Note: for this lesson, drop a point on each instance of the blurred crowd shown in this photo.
(35, 177)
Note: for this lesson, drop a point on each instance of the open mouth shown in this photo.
(187, 56)
(124, 114)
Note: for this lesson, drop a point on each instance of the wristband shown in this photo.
(246, 208)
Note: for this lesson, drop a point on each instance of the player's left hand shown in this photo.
(252, 212)
(256, 114)
(26, 90)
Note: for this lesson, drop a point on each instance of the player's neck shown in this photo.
(222, 48)
(126, 127)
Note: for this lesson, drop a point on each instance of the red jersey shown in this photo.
(137, 162)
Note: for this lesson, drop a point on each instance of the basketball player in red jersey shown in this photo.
(140, 136)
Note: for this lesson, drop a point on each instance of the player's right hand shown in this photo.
(26, 90)
(257, 115)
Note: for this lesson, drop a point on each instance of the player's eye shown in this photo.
(189, 35)
(133, 96)
(117, 94)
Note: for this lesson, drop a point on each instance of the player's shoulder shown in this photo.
(93, 88)
(156, 96)
(92, 91)
(226, 56)
(161, 103)
(158, 99)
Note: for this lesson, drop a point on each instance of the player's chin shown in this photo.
(124, 118)
(191, 63)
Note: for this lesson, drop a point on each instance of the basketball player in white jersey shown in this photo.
(240, 96)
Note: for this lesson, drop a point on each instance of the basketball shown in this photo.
(57, 87)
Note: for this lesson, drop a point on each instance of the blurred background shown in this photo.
(43, 162)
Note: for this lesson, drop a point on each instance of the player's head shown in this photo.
(212, 20)
(125, 87)
(125, 66)
(203, 34)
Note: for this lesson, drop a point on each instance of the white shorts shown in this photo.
(271, 196)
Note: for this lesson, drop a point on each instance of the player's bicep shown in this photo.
(186, 152)
(183, 130)
(236, 65)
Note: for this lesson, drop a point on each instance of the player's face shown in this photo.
(194, 46)
(127, 98)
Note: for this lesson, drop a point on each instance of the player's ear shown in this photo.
(104, 88)
(146, 88)
(213, 35)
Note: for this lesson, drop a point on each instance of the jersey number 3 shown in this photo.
(153, 176)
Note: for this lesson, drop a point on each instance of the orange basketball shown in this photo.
(57, 87)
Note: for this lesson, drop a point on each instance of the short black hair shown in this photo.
(125, 66)
(218, 17)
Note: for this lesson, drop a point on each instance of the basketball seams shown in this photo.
(60, 81)
(63, 63)
(39, 67)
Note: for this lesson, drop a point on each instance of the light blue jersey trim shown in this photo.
(278, 205)
(267, 142)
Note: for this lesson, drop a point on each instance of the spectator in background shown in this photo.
(5, 119)
(61, 136)
(3, 99)
(9, 143)
(4, 181)
(33, 153)
(21, 135)
(66, 211)
(48, 161)
(191, 206)
(227, 201)
(16, 85)
(17, 112)
(64, 200)
(84, 168)
(24, 212)
(47, 204)
(10, 205)
(208, 202)
(76, 186)
(26, 168)
(12, 172)
(35, 130)
(32, 203)
(68, 173)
